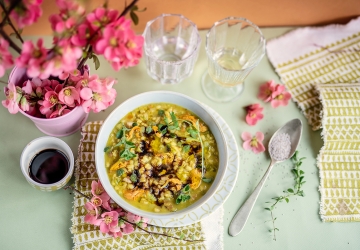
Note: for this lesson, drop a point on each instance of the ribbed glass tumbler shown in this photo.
(171, 48)
(234, 47)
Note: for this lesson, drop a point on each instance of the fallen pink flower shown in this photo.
(254, 114)
(280, 97)
(266, 90)
(253, 143)
(92, 214)
(12, 98)
(98, 190)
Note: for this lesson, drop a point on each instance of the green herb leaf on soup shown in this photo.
(161, 112)
(207, 180)
(133, 177)
(148, 129)
(186, 148)
(120, 172)
(193, 133)
(106, 149)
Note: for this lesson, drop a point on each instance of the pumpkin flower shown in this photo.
(253, 142)
(254, 114)
(280, 97)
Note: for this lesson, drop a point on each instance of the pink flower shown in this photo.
(27, 12)
(266, 90)
(97, 96)
(92, 214)
(254, 114)
(109, 222)
(133, 217)
(69, 96)
(126, 228)
(98, 190)
(63, 110)
(13, 96)
(254, 143)
(280, 96)
(6, 60)
(100, 17)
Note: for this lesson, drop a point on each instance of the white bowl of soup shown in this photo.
(160, 154)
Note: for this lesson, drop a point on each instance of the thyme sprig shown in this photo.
(296, 191)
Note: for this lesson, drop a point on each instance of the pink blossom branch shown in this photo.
(89, 51)
(10, 23)
(162, 234)
(13, 5)
(11, 42)
(76, 191)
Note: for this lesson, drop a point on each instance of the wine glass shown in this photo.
(234, 47)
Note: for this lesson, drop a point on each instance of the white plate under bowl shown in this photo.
(222, 192)
(160, 97)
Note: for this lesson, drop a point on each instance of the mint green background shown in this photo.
(31, 219)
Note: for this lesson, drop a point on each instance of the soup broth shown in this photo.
(161, 158)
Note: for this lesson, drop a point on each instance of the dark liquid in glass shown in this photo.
(49, 166)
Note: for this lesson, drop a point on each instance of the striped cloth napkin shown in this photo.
(311, 62)
(311, 55)
(86, 236)
(339, 158)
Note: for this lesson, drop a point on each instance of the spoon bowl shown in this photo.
(293, 129)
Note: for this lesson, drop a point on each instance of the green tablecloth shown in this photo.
(31, 219)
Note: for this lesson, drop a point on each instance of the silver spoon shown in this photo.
(294, 129)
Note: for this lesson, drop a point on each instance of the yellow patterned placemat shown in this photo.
(339, 158)
(316, 55)
(86, 236)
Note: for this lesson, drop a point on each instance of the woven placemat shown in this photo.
(86, 236)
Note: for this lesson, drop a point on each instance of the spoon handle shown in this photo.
(240, 218)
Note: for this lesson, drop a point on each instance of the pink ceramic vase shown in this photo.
(61, 126)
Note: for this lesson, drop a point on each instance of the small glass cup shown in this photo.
(234, 47)
(171, 48)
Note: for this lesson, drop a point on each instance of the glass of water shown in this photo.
(171, 48)
(234, 46)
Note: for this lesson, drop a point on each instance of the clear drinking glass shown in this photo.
(234, 47)
(171, 48)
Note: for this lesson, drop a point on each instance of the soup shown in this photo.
(161, 158)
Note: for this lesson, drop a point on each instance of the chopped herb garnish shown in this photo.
(161, 112)
(119, 134)
(106, 149)
(207, 180)
(174, 121)
(186, 148)
(184, 194)
(133, 177)
(120, 172)
(193, 133)
(148, 129)
(134, 124)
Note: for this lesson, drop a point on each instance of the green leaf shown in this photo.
(207, 180)
(120, 134)
(287, 200)
(120, 172)
(96, 61)
(134, 124)
(193, 133)
(134, 17)
(106, 149)
(174, 120)
(161, 112)
(268, 208)
(186, 188)
(186, 148)
(148, 129)
(133, 177)
(290, 190)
